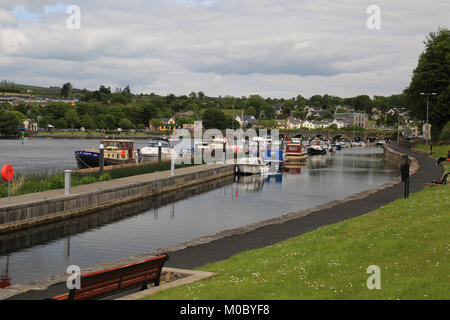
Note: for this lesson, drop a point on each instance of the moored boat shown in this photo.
(251, 165)
(316, 150)
(296, 152)
(115, 152)
(150, 153)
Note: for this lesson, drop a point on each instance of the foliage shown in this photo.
(445, 133)
(65, 90)
(432, 74)
(214, 118)
(9, 121)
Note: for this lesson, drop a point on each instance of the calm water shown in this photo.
(47, 154)
(156, 223)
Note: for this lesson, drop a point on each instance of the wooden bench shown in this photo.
(106, 282)
(442, 180)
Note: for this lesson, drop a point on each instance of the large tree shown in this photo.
(432, 75)
(9, 121)
(65, 91)
(216, 119)
(71, 117)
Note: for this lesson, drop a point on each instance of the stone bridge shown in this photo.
(310, 134)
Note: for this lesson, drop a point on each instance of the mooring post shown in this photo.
(224, 151)
(67, 181)
(172, 163)
(257, 149)
(9, 189)
(159, 151)
(102, 158)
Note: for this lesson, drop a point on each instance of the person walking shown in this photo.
(431, 148)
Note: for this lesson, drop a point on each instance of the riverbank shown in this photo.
(407, 239)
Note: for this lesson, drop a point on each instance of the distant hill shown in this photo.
(23, 89)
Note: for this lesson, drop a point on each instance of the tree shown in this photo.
(432, 75)
(43, 122)
(301, 101)
(65, 91)
(445, 133)
(251, 111)
(9, 121)
(193, 95)
(71, 117)
(61, 123)
(87, 122)
(125, 123)
(155, 123)
(216, 119)
(316, 100)
(258, 103)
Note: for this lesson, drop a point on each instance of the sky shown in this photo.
(275, 48)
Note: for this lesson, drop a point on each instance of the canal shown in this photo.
(170, 219)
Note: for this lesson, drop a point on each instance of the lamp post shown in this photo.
(428, 100)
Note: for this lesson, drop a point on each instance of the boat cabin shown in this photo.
(113, 149)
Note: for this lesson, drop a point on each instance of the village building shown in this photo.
(353, 119)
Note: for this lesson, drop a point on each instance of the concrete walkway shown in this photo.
(88, 188)
(222, 249)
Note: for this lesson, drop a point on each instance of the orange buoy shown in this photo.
(7, 172)
(123, 153)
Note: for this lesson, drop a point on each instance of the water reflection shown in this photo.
(5, 281)
(294, 168)
(250, 183)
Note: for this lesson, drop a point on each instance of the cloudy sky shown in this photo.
(276, 48)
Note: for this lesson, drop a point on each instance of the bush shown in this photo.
(445, 133)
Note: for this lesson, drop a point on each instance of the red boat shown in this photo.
(296, 152)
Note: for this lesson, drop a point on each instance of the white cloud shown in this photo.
(237, 47)
(7, 18)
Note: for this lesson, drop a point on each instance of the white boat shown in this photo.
(316, 150)
(343, 144)
(202, 145)
(217, 143)
(251, 165)
(358, 144)
(150, 153)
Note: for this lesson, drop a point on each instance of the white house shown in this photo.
(294, 123)
(339, 124)
(308, 124)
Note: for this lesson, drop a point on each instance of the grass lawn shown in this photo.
(438, 151)
(408, 239)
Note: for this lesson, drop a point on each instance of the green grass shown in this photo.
(408, 239)
(25, 183)
(438, 151)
